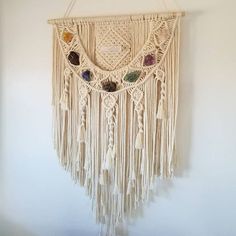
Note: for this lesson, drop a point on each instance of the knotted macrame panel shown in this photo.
(115, 99)
(115, 42)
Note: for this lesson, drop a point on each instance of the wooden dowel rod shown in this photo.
(117, 17)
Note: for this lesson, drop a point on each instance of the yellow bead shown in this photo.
(67, 36)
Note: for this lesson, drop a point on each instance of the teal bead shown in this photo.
(132, 76)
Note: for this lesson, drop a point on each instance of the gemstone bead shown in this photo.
(109, 86)
(67, 36)
(149, 60)
(132, 76)
(74, 58)
(87, 75)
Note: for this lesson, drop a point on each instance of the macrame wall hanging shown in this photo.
(115, 98)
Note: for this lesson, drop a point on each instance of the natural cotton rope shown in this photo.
(115, 100)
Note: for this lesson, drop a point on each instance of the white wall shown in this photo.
(38, 198)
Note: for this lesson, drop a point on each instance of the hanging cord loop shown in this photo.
(164, 3)
(175, 4)
(69, 8)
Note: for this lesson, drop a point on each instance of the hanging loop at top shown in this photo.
(69, 8)
(73, 2)
(175, 5)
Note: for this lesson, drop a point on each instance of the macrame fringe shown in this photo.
(117, 176)
(65, 102)
(139, 141)
(110, 155)
(65, 96)
(101, 179)
(81, 134)
(108, 160)
(161, 113)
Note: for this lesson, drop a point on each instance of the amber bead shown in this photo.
(67, 36)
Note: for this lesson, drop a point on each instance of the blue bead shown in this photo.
(86, 75)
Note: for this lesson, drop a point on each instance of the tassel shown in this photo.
(104, 210)
(142, 165)
(133, 176)
(108, 159)
(89, 172)
(64, 101)
(103, 164)
(86, 164)
(139, 141)
(85, 184)
(113, 152)
(151, 184)
(129, 188)
(101, 179)
(116, 190)
(77, 165)
(88, 177)
(161, 113)
(81, 134)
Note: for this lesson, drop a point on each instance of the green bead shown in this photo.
(132, 76)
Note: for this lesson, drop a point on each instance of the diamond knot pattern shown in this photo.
(112, 49)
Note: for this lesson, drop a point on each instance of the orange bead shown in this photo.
(67, 36)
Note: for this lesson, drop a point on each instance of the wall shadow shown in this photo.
(186, 94)
(1, 103)
(9, 228)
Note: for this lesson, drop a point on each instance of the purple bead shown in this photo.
(149, 60)
(86, 75)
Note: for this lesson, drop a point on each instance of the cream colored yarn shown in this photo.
(116, 144)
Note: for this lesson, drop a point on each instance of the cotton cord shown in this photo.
(116, 144)
(69, 8)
